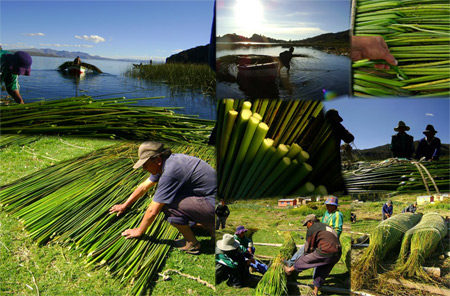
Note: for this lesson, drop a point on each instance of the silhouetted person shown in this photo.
(430, 146)
(402, 144)
(285, 59)
(77, 61)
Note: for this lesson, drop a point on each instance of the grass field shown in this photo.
(266, 223)
(26, 269)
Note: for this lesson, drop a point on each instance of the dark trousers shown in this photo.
(323, 265)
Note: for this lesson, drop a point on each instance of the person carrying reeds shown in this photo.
(322, 251)
(387, 210)
(430, 146)
(11, 66)
(333, 217)
(185, 193)
(231, 263)
(402, 144)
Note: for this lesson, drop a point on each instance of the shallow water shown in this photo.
(309, 76)
(45, 82)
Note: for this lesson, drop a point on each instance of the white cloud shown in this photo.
(67, 45)
(93, 38)
(34, 34)
(429, 114)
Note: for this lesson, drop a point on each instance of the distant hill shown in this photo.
(254, 38)
(196, 55)
(382, 152)
(47, 52)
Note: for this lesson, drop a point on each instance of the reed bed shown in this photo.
(270, 147)
(185, 76)
(417, 34)
(384, 238)
(68, 204)
(396, 176)
(115, 118)
(274, 281)
(418, 244)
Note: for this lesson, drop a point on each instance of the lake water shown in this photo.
(308, 78)
(45, 82)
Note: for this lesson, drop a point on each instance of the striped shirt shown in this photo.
(335, 220)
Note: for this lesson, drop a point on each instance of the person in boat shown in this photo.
(402, 144)
(77, 61)
(185, 193)
(430, 146)
(11, 66)
(322, 251)
(285, 59)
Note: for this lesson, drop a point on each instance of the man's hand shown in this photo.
(372, 48)
(132, 233)
(119, 209)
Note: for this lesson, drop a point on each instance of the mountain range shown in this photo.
(382, 152)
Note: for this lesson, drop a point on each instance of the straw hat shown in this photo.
(227, 243)
(401, 124)
(146, 151)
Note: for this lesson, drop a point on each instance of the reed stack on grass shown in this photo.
(396, 176)
(418, 244)
(117, 118)
(68, 204)
(346, 243)
(66, 65)
(417, 33)
(184, 76)
(383, 239)
(264, 148)
(274, 281)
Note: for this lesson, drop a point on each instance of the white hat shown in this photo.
(227, 243)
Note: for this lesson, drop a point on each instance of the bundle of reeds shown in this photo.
(270, 147)
(417, 33)
(418, 244)
(346, 243)
(383, 239)
(68, 204)
(116, 118)
(274, 281)
(68, 64)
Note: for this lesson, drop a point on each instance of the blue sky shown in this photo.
(372, 121)
(282, 19)
(115, 29)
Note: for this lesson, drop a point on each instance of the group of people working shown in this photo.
(388, 209)
(402, 144)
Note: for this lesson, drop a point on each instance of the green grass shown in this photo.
(48, 264)
(266, 224)
(178, 76)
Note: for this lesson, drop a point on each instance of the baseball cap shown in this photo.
(146, 151)
(310, 217)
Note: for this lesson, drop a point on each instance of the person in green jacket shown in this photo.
(11, 66)
(333, 217)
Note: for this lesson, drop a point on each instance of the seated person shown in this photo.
(247, 243)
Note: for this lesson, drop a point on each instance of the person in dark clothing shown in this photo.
(412, 208)
(231, 263)
(285, 59)
(339, 131)
(77, 61)
(430, 146)
(353, 217)
(322, 251)
(387, 210)
(222, 212)
(402, 144)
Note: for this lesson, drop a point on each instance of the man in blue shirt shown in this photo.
(387, 210)
(185, 193)
(11, 66)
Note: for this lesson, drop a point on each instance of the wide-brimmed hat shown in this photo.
(332, 200)
(429, 129)
(146, 151)
(401, 124)
(310, 217)
(240, 230)
(20, 62)
(333, 113)
(227, 243)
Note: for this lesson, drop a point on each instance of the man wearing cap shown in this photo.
(402, 144)
(230, 262)
(430, 146)
(322, 251)
(185, 193)
(333, 217)
(11, 66)
(247, 243)
(387, 210)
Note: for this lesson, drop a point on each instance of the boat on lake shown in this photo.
(266, 72)
(78, 69)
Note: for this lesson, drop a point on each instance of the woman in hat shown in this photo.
(11, 66)
(185, 193)
(402, 144)
(430, 146)
(333, 217)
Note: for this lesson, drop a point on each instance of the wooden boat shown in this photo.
(76, 69)
(266, 72)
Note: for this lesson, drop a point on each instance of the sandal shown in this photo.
(194, 250)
